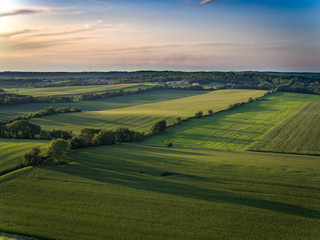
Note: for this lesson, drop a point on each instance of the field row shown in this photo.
(74, 90)
(300, 133)
(130, 191)
(142, 115)
(238, 128)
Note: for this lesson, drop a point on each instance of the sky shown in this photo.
(195, 35)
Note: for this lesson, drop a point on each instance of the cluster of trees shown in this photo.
(56, 150)
(47, 112)
(20, 129)
(159, 127)
(90, 137)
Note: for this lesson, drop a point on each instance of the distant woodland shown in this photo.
(273, 81)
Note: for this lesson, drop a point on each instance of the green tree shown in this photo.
(178, 121)
(159, 127)
(58, 149)
(32, 157)
(23, 128)
(199, 114)
(210, 112)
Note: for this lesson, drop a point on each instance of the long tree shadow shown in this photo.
(134, 175)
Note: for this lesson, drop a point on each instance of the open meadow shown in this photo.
(141, 115)
(299, 133)
(132, 191)
(238, 128)
(12, 150)
(74, 90)
(9, 112)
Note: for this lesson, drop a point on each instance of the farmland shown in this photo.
(12, 151)
(128, 191)
(300, 133)
(74, 90)
(190, 191)
(140, 116)
(8, 112)
(238, 128)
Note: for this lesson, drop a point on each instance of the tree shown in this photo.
(58, 149)
(33, 157)
(210, 112)
(23, 128)
(159, 127)
(199, 114)
(178, 121)
(168, 143)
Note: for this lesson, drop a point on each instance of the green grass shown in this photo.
(74, 90)
(299, 133)
(142, 115)
(9, 112)
(238, 128)
(12, 150)
(145, 192)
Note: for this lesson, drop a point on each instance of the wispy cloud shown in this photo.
(201, 3)
(11, 34)
(29, 11)
(206, 2)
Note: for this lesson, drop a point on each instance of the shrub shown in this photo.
(168, 144)
(159, 127)
(178, 121)
(58, 149)
(33, 157)
(199, 114)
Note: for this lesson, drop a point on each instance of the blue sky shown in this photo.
(103, 35)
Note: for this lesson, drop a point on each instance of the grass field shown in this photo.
(8, 112)
(142, 115)
(300, 133)
(145, 192)
(12, 150)
(238, 128)
(74, 90)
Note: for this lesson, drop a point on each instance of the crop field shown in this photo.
(137, 191)
(9, 112)
(300, 133)
(142, 115)
(239, 128)
(12, 150)
(74, 90)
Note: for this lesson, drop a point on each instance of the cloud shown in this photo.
(28, 11)
(201, 3)
(11, 34)
(206, 2)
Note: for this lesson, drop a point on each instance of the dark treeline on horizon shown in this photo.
(275, 81)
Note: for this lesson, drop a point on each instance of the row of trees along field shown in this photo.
(293, 82)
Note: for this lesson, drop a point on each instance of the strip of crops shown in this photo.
(238, 128)
(144, 192)
(300, 133)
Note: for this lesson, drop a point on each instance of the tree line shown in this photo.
(294, 82)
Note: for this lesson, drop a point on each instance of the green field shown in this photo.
(141, 115)
(9, 112)
(299, 133)
(238, 128)
(144, 192)
(12, 150)
(74, 90)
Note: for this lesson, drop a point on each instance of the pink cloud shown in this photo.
(206, 2)
(201, 3)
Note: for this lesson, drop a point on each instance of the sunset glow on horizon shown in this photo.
(105, 35)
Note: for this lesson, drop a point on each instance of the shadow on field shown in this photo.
(135, 174)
